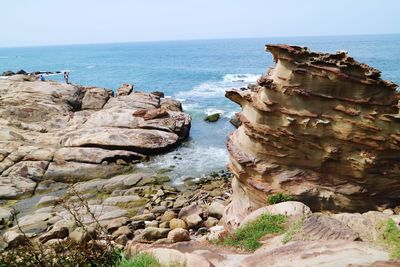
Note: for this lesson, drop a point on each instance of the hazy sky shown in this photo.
(43, 22)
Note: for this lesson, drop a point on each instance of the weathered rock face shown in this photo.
(323, 128)
(66, 132)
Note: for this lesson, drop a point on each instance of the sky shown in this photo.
(53, 22)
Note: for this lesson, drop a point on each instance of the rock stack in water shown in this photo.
(322, 128)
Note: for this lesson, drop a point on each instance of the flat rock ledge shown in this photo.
(62, 132)
(322, 128)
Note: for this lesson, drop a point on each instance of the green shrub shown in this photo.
(248, 236)
(277, 198)
(391, 238)
(140, 260)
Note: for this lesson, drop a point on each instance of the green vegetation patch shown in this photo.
(278, 198)
(293, 229)
(248, 236)
(391, 238)
(140, 260)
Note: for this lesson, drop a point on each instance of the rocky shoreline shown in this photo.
(317, 137)
(66, 133)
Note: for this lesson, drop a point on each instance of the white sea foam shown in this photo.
(244, 78)
(213, 89)
(193, 161)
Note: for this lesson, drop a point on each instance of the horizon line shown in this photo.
(183, 40)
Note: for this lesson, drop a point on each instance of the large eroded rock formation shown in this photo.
(323, 128)
(63, 132)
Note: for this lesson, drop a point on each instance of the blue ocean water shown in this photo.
(197, 73)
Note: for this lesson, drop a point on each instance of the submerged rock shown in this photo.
(213, 117)
(322, 128)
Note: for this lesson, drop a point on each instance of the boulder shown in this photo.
(57, 233)
(125, 89)
(154, 233)
(213, 117)
(190, 210)
(179, 235)
(14, 239)
(95, 98)
(5, 215)
(216, 209)
(168, 216)
(177, 223)
(123, 230)
(210, 222)
(144, 217)
(83, 235)
(193, 221)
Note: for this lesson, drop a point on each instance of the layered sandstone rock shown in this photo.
(66, 132)
(323, 128)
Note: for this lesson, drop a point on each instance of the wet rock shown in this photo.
(213, 117)
(153, 233)
(8, 73)
(179, 235)
(235, 121)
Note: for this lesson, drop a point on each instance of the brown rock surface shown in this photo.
(323, 128)
(65, 132)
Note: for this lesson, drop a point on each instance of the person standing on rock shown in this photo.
(66, 76)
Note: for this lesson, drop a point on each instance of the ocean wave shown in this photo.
(199, 158)
(211, 89)
(245, 78)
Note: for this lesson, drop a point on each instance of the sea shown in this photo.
(195, 72)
